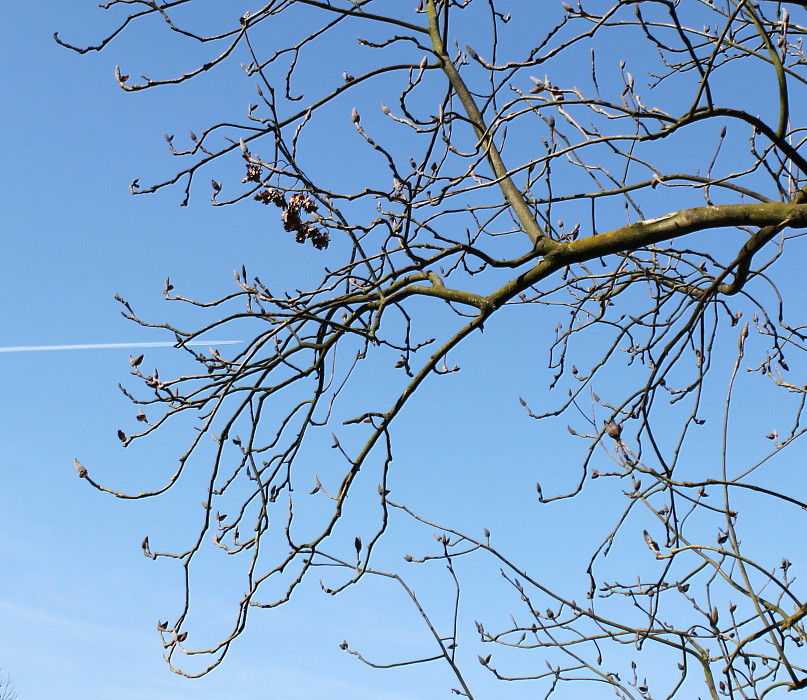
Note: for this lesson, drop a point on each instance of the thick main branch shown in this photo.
(681, 223)
(511, 193)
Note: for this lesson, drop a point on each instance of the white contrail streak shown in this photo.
(109, 346)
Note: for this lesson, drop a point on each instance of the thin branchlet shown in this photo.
(497, 178)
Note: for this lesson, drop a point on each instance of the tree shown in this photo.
(7, 691)
(627, 172)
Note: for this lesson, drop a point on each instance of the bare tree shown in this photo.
(629, 170)
(7, 691)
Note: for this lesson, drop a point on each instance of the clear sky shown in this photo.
(78, 600)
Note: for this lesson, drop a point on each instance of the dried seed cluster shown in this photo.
(253, 173)
(292, 208)
(271, 197)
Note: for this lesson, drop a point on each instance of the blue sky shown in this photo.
(78, 600)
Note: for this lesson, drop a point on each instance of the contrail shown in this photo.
(109, 346)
